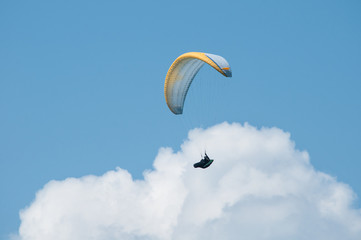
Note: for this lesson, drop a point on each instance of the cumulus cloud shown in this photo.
(259, 187)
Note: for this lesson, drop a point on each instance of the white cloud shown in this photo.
(259, 187)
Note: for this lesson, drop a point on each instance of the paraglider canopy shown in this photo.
(182, 72)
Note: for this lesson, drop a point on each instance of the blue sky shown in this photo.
(81, 84)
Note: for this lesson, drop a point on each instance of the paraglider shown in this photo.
(182, 72)
(204, 163)
(179, 78)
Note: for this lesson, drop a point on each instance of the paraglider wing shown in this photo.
(182, 72)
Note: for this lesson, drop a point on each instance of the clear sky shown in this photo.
(81, 84)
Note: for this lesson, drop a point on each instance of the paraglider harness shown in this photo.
(204, 163)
